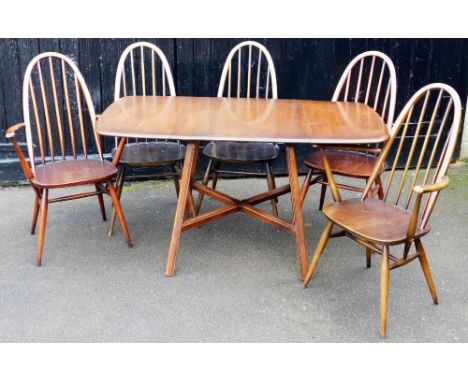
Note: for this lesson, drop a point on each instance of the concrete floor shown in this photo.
(236, 279)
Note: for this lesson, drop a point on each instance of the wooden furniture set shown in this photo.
(354, 134)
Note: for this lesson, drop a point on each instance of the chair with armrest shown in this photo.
(429, 126)
(59, 120)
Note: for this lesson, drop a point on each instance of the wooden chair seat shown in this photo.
(373, 220)
(72, 173)
(238, 152)
(151, 153)
(347, 163)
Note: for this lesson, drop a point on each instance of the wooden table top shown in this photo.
(241, 119)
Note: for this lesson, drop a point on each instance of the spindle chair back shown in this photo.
(427, 128)
(248, 72)
(143, 69)
(58, 112)
(370, 78)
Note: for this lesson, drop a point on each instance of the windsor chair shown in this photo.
(57, 117)
(150, 74)
(369, 78)
(243, 81)
(401, 217)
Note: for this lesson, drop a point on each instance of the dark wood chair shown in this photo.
(427, 127)
(248, 72)
(59, 120)
(148, 73)
(369, 78)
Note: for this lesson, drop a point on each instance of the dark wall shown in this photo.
(306, 69)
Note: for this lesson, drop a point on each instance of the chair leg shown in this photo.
(101, 202)
(35, 214)
(191, 202)
(272, 186)
(305, 186)
(119, 184)
(318, 252)
(216, 167)
(368, 257)
(205, 180)
(118, 209)
(42, 225)
(426, 270)
(191, 206)
(380, 191)
(323, 191)
(384, 282)
(176, 179)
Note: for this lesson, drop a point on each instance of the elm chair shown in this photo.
(143, 70)
(427, 129)
(369, 78)
(59, 121)
(248, 72)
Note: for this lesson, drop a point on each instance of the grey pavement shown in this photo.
(236, 279)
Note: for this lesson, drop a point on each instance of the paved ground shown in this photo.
(236, 280)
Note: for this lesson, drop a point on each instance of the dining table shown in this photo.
(194, 120)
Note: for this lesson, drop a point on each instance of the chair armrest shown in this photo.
(420, 190)
(11, 131)
(443, 183)
(11, 134)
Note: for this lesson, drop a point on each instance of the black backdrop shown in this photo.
(306, 69)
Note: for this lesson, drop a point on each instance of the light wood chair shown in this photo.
(369, 78)
(248, 72)
(143, 70)
(58, 113)
(428, 125)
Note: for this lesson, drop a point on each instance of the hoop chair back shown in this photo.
(428, 128)
(143, 70)
(57, 110)
(370, 78)
(248, 72)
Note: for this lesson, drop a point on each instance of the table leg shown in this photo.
(188, 174)
(297, 210)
